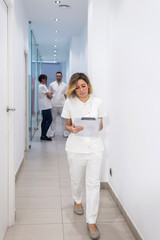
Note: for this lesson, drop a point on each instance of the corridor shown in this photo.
(116, 44)
(44, 207)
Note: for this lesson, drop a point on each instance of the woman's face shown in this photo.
(44, 81)
(81, 89)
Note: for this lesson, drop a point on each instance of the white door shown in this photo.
(3, 122)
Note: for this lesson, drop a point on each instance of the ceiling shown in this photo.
(42, 14)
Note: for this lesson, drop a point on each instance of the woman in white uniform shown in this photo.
(84, 152)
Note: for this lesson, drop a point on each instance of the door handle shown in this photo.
(10, 109)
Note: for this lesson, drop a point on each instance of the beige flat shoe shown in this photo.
(93, 235)
(78, 211)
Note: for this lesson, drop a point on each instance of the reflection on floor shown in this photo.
(44, 207)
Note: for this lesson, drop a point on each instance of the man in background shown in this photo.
(58, 90)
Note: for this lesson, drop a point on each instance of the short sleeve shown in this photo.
(43, 89)
(66, 112)
(101, 110)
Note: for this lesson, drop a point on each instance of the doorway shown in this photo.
(7, 177)
(4, 120)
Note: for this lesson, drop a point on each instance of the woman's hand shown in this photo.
(74, 129)
(71, 127)
(49, 95)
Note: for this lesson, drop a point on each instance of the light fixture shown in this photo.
(64, 6)
(55, 51)
(55, 46)
(55, 39)
(57, 1)
(56, 31)
(56, 19)
(54, 55)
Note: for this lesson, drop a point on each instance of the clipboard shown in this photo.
(88, 118)
(91, 126)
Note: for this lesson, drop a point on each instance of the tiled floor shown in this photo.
(44, 207)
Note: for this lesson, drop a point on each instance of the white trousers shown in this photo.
(85, 169)
(55, 111)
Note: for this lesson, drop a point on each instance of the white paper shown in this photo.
(91, 127)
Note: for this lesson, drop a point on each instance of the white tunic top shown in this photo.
(58, 91)
(43, 100)
(75, 108)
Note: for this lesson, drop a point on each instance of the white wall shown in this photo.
(64, 71)
(84, 50)
(134, 97)
(78, 54)
(74, 59)
(67, 70)
(98, 20)
(20, 45)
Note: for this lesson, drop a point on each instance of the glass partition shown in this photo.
(29, 86)
(35, 62)
(39, 68)
(33, 84)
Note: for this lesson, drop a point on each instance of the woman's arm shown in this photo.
(49, 95)
(71, 128)
(101, 124)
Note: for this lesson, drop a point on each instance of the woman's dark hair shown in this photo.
(42, 76)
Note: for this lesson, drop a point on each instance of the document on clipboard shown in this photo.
(91, 126)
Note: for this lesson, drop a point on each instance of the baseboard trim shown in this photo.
(19, 169)
(105, 185)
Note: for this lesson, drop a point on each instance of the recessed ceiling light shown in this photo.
(64, 6)
(56, 19)
(55, 39)
(56, 31)
(55, 46)
(57, 1)
(55, 51)
(54, 55)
